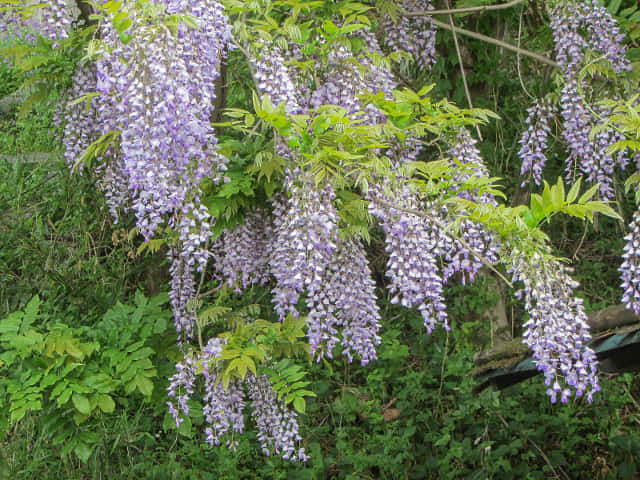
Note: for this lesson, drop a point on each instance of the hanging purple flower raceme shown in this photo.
(467, 252)
(578, 27)
(347, 76)
(557, 331)
(414, 35)
(586, 156)
(355, 300)
(413, 248)
(277, 424)
(157, 92)
(533, 142)
(81, 126)
(306, 235)
(630, 268)
(182, 293)
(241, 254)
(223, 407)
(181, 387)
(308, 258)
(273, 79)
(55, 20)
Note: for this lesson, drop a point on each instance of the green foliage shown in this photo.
(554, 200)
(51, 367)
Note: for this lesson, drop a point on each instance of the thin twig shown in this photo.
(518, 57)
(542, 454)
(453, 11)
(444, 227)
(462, 72)
(499, 43)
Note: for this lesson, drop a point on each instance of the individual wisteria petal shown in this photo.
(413, 35)
(630, 268)
(557, 331)
(533, 142)
(277, 425)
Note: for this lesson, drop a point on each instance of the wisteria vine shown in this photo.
(152, 109)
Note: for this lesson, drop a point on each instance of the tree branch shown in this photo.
(508, 46)
(462, 72)
(85, 11)
(453, 11)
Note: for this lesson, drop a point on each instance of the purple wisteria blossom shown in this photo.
(307, 258)
(222, 407)
(414, 35)
(467, 252)
(413, 248)
(157, 92)
(533, 142)
(55, 20)
(81, 118)
(557, 331)
(241, 254)
(630, 268)
(578, 27)
(277, 424)
(274, 80)
(347, 76)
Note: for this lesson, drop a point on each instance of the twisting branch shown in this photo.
(453, 11)
(500, 43)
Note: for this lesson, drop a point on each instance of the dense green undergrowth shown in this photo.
(411, 414)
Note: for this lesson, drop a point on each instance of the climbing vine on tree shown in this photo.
(284, 189)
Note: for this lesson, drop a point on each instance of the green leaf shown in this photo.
(604, 208)
(83, 451)
(106, 403)
(586, 196)
(299, 404)
(81, 403)
(573, 192)
(144, 385)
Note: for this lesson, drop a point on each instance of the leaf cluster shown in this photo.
(80, 372)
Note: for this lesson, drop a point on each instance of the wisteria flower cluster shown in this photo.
(533, 142)
(557, 331)
(307, 258)
(55, 20)
(578, 27)
(157, 92)
(414, 35)
(241, 255)
(224, 407)
(630, 268)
